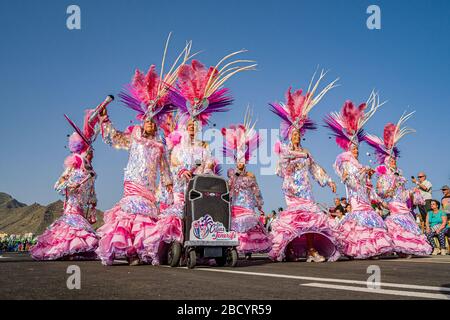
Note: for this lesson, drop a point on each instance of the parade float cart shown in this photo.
(207, 223)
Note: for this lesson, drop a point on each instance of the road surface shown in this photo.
(417, 278)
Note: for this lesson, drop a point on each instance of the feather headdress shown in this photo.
(347, 126)
(294, 113)
(200, 92)
(241, 140)
(148, 94)
(387, 147)
(81, 140)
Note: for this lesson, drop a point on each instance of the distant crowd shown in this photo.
(16, 243)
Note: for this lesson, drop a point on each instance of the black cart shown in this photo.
(207, 223)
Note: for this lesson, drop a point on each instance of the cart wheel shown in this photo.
(191, 259)
(232, 258)
(174, 254)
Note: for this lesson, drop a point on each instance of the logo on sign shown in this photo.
(206, 228)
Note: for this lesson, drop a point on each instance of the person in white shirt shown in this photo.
(425, 188)
(339, 216)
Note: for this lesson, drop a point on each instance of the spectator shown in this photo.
(344, 203)
(425, 188)
(446, 199)
(272, 217)
(339, 215)
(338, 205)
(262, 218)
(348, 208)
(280, 209)
(269, 217)
(436, 224)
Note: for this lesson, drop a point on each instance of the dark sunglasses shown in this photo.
(421, 176)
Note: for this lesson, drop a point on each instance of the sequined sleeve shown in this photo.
(257, 193)
(115, 138)
(351, 180)
(319, 174)
(165, 169)
(231, 180)
(62, 182)
(283, 163)
(175, 163)
(92, 196)
(384, 186)
(208, 160)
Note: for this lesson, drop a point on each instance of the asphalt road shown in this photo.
(417, 278)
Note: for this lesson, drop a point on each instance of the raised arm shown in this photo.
(62, 182)
(113, 137)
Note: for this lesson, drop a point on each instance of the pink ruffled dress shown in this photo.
(362, 233)
(406, 235)
(302, 216)
(132, 221)
(70, 235)
(245, 197)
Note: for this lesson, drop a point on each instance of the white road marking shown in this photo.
(285, 276)
(380, 291)
(430, 260)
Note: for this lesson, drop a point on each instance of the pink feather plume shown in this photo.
(351, 115)
(295, 102)
(389, 135)
(145, 86)
(73, 161)
(381, 170)
(173, 139)
(278, 147)
(193, 80)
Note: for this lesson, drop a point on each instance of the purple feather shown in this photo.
(80, 133)
(280, 111)
(252, 145)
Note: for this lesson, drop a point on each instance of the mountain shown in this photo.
(8, 202)
(19, 218)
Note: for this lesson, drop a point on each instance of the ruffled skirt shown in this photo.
(126, 228)
(253, 237)
(70, 235)
(406, 235)
(169, 229)
(292, 227)
(362, 234)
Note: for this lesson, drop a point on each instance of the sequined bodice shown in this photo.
(244, 191)
(392, 187)
(295, 168)
(143, 163)
(76, 200)
(355, 181)
(194, 158)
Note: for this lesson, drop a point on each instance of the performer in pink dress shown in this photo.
(239, 143)
(362, 233)
(302, 230)
(72, 236)
(391, 187)
(197, 96)
(131, 224)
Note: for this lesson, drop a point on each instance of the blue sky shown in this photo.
(47, 70)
